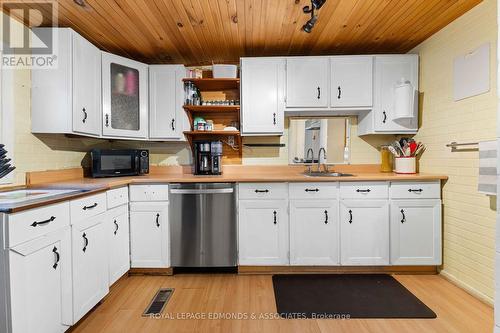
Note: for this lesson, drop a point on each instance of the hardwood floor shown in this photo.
(232, 294)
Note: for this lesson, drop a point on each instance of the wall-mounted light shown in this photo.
(315, 5)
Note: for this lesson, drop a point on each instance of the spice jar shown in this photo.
(386, 159)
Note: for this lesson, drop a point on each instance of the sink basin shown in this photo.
(327, 174)
(26, 195)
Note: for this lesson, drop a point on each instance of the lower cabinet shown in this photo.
(364, 232)
(118, 241)
(263, 232)
(416, 232)
(90, 266)
(40, 284)
(149, 235)
(314, 238)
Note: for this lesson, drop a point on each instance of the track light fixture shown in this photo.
(315, 5)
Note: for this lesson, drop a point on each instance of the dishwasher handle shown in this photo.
(199, 191)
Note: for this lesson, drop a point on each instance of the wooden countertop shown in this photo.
(73, 178)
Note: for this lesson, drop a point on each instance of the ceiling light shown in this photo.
(315, 5)
(80, 3)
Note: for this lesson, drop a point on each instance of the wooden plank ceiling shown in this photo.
(220, 31)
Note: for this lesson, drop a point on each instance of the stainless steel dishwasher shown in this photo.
(203, 224)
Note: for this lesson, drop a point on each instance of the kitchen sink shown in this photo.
(327, 174)
(26, 195)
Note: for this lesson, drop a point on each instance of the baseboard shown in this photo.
(470, 290)
(337, 269)
(151, 271)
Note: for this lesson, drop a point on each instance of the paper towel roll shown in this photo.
(404, 98)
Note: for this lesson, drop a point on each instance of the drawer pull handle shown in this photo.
(90, 207)
(326, 217)
(58, 257)
(86, 240)
(363, 191)
(116, 227)
(84, 115)
(312, 190)
(261, 191)
(274, 217)
(350, 216)
(158, 220)
(403, 220)
(319, 93)
(417, 190)
(34, 224)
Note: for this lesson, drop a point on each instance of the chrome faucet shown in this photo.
(312, 159)
(325, 167)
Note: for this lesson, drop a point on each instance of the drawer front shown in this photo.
(415, 190)
(364, 190)
(313, 190)
(117, 197)
(86, 207)
(148, 192)
(30, 224)
(263, 191)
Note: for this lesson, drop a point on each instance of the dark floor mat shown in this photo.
(345, 295)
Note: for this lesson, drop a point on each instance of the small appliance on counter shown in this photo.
(116, 162)
(208, 157)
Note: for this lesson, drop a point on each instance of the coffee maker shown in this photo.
(207, 157)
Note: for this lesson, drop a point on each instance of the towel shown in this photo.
(487, 182)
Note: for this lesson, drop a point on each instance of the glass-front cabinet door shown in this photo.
(125, 97)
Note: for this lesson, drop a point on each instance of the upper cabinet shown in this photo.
(307, 82)
(67, 99)
(262, 96)
(389, 71)
(167, 119)
(351, 82)
(124, 97)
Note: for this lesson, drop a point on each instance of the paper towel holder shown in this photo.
(404, 100)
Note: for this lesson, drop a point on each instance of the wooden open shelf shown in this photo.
(212, 108)
(226, 133)
(215, 84)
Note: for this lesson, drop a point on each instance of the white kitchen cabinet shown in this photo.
(90, 266)
(262, 96)
(149, 235)
(167, 118)
(263, 232)
(118, 242)
(67, 99)
(314, 237)
(364, 232)
(38, 285)
(389, 69)
(351, 82)
(416, 232)
(307, 82)
(124, 97)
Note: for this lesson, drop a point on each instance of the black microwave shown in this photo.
(118, 162)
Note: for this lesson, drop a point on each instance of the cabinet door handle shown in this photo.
(173, 124)
(274, 118)
(84, 115)
(47, 221)
(350, 216)
(385, 117)
(363, 191)
(326, 217)
(86, 242)
(90, 207)
(403, 220)
(261, 191)
(158, 220)
(116, 227)
(58, 257)
(319, 92)
(106, 122)
(274, 217)
(417, 190)
(340, 92)
(312, 189)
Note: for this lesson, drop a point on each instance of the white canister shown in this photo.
(406, 165)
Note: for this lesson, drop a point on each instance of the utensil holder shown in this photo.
(405, 165)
